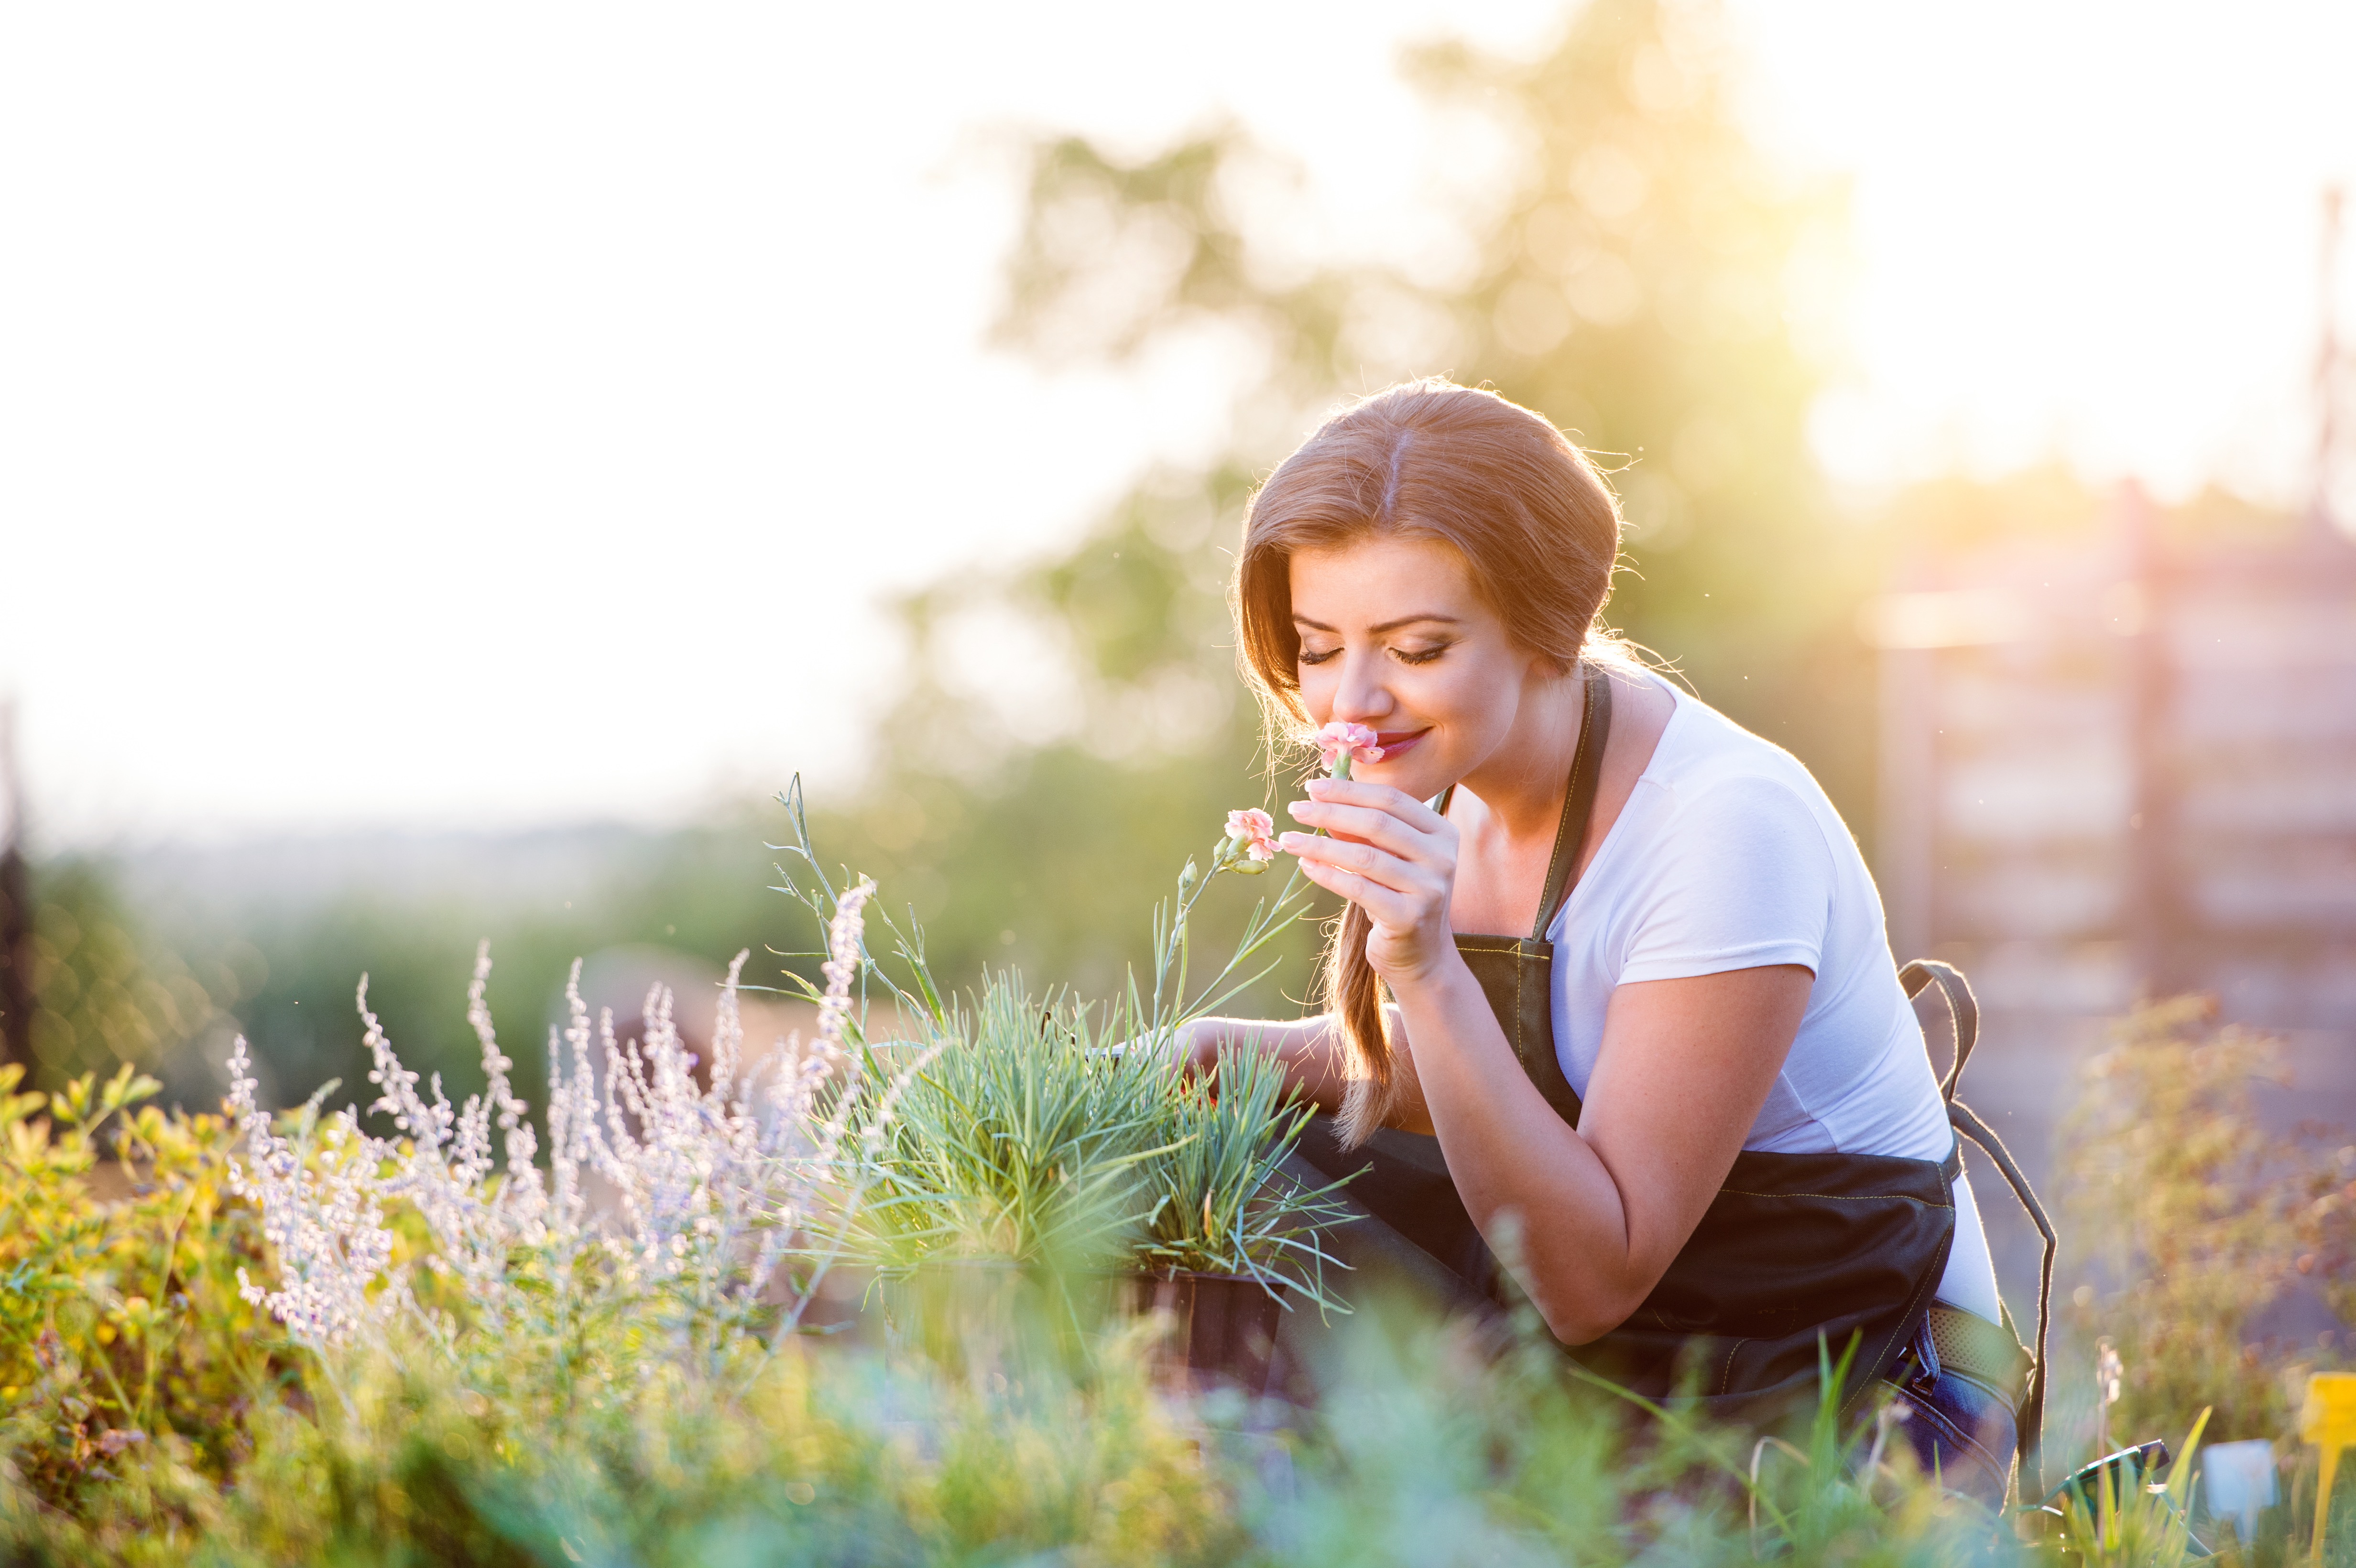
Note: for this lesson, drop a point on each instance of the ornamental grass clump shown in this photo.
(1224, 1203)
(1054, 1137)
(1023, 1141)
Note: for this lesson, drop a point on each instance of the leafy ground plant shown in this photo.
(1442, 1445)
(125, 1343)
(2200, 1217)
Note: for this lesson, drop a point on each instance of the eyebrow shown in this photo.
(1385, 626)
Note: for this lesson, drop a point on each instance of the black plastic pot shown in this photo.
(1222, 1326)
(1214, 1330)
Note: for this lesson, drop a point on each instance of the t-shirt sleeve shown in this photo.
(1743, 880)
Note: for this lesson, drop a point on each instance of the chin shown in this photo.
(1419, 775)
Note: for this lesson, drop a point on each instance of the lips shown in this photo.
(1396, 743)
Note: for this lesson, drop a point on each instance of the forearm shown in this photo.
(1519, 1168)
(1310, 1050)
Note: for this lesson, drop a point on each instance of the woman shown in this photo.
(1694, 1095)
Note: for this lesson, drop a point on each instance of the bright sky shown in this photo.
(480, 416)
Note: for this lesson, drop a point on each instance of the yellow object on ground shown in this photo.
(2328, 1420)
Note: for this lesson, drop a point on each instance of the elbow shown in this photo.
(1580, 1329)
(1584, 1321)
(1579, 1298)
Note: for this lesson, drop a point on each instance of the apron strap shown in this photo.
(1962, 1007)
(2030, 1418)
(1578, 801)
(1964, 1010)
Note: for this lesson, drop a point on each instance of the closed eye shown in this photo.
(1309, 658)
(1422, 656)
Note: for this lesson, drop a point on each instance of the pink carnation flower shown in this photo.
(1254, 830)
(1341, 738)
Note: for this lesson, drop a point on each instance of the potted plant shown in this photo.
(1053, 1160)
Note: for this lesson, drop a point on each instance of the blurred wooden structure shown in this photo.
(2127, 766)
(16, 906)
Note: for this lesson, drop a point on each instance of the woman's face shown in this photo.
(1393, 637)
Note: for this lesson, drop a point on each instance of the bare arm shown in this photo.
(1603, 1210)
(1600, 1212)
(1308, 1048)
(1684, 1068)
(1311, 1053)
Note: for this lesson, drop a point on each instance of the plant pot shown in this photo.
(1222, 1326)
(974, 1315)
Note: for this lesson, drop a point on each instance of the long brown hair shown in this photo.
(1540, 531)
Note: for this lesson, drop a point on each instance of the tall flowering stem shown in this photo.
(685, 1198)
(322, 1214)
(1247, 848)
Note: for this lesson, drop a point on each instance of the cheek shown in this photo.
(1476, 699)
(1461, 695)
(1317, 686)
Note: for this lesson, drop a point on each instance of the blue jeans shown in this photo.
(1962, 1433)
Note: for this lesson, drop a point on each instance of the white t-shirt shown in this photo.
(1727, 856)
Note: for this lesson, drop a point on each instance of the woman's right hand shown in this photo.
(1392, 856)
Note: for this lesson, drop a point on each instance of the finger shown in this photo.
(1363, 859)
(1366, 825)
(1385, 906)
(1378, 797)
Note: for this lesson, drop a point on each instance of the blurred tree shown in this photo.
(103, 989)
(1636, 271)
(1038, 831)
(16, 907)
(699, 894)
(156, 964)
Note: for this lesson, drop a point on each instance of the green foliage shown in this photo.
(2200, 1217)
(123, 1340)
(1031, 1136)
(1223, 1203)
(1058, 1137)
(608, 1454)
(2127, 1522)
(585, 1433)
(1022, 1139)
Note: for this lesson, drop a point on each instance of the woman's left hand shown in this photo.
(1392, 856)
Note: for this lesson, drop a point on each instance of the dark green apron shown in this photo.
(1796, 1249)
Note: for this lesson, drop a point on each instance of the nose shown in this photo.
(1362, 698)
